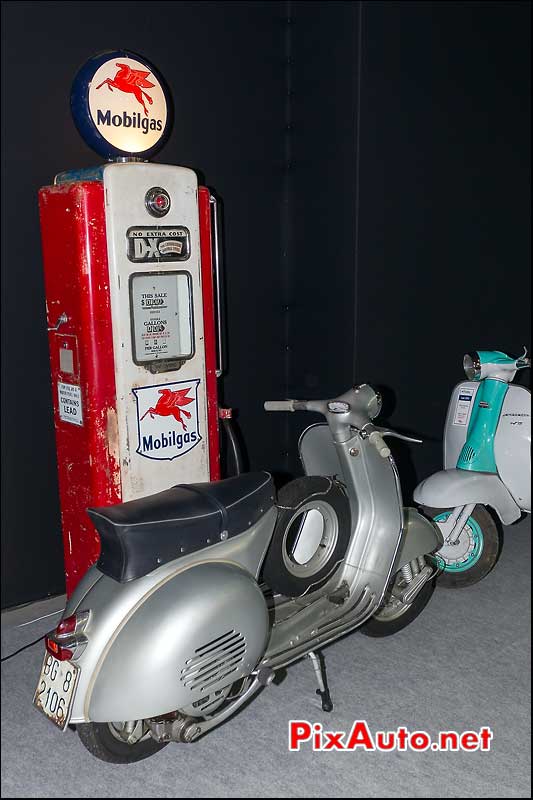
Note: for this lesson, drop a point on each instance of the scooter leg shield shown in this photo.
(455, 487)
(185, 640)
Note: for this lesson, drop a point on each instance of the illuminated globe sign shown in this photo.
(121, 105)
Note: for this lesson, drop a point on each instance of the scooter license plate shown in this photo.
(55, 689)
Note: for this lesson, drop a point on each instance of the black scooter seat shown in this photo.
(141, 535)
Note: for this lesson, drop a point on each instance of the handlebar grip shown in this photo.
(377, 440)
(279, 405)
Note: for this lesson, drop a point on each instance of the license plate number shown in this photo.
(55, 690)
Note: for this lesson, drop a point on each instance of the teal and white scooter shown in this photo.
(487, 463)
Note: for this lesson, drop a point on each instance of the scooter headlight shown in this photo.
(372, 399)
(472, 366)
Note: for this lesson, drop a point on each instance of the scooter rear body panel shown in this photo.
(191, 637)
(512, 445)
(142, 633)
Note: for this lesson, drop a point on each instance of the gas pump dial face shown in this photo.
(161, 319)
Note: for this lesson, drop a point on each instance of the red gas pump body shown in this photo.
(83, 361)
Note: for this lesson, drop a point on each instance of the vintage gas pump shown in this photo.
(127, 250)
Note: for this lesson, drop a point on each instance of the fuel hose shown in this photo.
(234, 445)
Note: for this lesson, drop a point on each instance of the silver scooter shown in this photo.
(202, 592)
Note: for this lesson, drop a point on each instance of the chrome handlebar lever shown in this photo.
(396, 435)
(524, 361)
(376, 437)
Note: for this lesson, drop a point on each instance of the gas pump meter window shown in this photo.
(161, 319)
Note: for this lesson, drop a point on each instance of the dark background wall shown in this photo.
(410, 203)
(444, 203)
(373, 162)
(323, 176)
(226, 65)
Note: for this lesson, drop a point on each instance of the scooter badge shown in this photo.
(167, 419)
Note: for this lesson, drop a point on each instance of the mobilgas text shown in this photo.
(126, 120)
(173, 439)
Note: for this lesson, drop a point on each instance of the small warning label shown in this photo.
(70, 408)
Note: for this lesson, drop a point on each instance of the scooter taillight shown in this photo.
(68, 640)
(57, 650)
(67, 625)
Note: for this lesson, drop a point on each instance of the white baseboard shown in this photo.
(33, 612)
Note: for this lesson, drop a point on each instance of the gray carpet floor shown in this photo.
(463, 664)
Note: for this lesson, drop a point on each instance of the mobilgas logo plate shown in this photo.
(127, 104)
(158, 244)
(167, 419)
(120, 105)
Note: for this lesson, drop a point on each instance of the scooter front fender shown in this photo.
(450, 488)
(421, 537)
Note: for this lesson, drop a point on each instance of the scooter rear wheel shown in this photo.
(310, 538)
(104, 741)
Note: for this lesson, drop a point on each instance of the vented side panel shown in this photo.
(214, 661)
(467, 453)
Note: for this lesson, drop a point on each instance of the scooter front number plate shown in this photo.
(55, 689)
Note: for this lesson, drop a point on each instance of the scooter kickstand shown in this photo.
(320, 672)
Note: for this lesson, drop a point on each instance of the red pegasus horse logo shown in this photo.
(132, 81)
(170, 404)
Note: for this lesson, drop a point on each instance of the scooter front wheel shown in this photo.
(118, 742)
(475, 552)
(394, 615)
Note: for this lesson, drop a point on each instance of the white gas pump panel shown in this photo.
(158, 339)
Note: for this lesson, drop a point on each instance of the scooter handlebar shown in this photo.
(288, 405)
(279, 405)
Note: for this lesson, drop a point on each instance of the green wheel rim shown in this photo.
(473, 531)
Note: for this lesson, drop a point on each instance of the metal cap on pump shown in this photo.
(121, 106)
